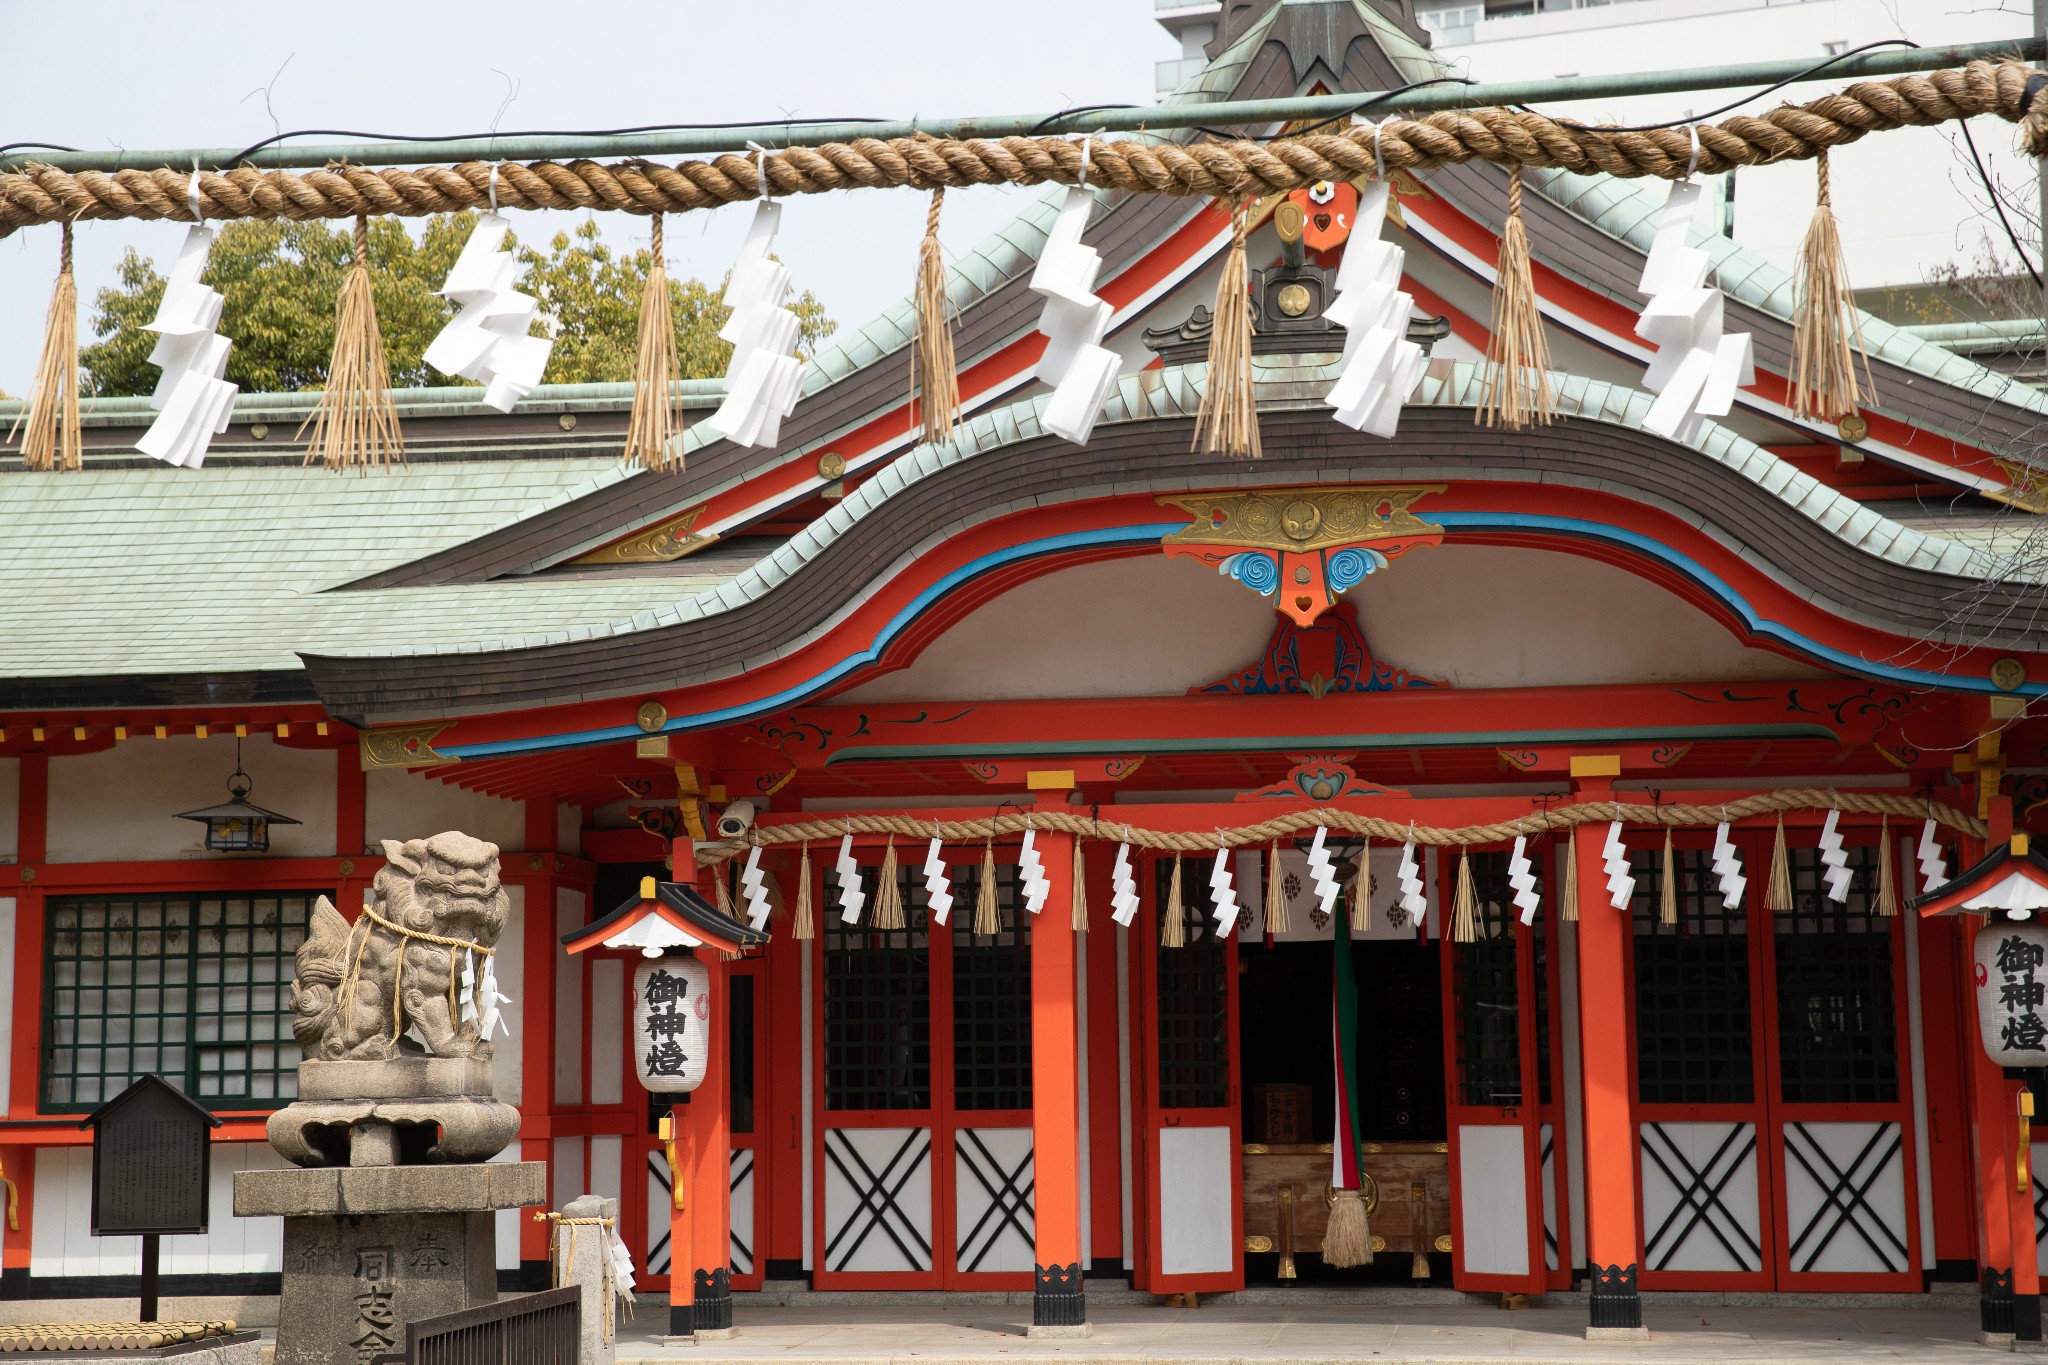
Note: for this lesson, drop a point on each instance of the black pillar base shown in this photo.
(1058, 1298)
(682, 1320)
(1994, 1302)
(714, 1299)
(1613, 1301)
(2026, 1317)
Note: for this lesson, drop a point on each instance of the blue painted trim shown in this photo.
(1150, 532)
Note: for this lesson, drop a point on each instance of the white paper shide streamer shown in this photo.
(1697, 369)
(1380, 364)
(1123, 887)
(1032, 871)
(193, 401)
(1079, 367)
(938, 886)
(489, 340)
(480, 998)
(762, 380)
(1223, 892)
(1728, 867)
(1621, 883)
(1322, 871)
(1933, 865)
(754, 889)
(851, 897)
(1409, 875)
(1836, 857)
(1522, 878)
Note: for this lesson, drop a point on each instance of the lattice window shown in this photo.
(194, 988)
(1693, 1041)
(1194, 1004)
(1838, 1037)
(878, 1006)
(991, 997)
(1484, 992)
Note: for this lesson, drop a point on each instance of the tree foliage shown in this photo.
(279, 282)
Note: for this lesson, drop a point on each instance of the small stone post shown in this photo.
(582, 1256)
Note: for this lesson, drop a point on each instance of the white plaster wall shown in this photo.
(510, 970)
(569, 829)
(1474, 616)
(506, 1224)
(10, 808)
(407, 805)
(568, 1021)
(62, 1243)
(121, 803)
(607, 1031)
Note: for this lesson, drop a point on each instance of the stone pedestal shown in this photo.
(407, 1110)
(369, 1249)
(583, 1258)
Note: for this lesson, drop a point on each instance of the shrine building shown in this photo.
(1133, 654)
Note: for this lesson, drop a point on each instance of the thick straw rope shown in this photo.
(1555, 821)
(345, 991)
(1234, 170)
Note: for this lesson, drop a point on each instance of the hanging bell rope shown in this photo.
(356, 424)
(49, 426)
(1233, 170)
(1824, 318)
(932, 368)
(1517, 353)
(657, 412)
(1228, 420)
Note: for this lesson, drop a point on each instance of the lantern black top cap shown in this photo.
(237, 806)
(691, 906)
(147, 1083)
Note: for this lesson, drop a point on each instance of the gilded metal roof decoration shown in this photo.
(661, 543)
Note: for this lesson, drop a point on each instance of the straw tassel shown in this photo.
(888, 895)
(1887, 879)
(1080, 897)
(650, 436)
(1172, 933)
(985, 919)
(1824, 319)
(803, 926)
(1668, 908)
(1277, 921)
(356, 424)
(53, 439)
(1348, 1240)
(1518, 354)
(1571, 880)
(1228, 422)
(938, 382)
(1361, 887)
(1465, 906)
(721, 888)
(1779, 894)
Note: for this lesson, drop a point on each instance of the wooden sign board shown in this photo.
(149, 1162)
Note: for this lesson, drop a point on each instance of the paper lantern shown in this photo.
(194, 403)
(1697, 369)
(1123, 888)
(2012, 992)
(671, 1023)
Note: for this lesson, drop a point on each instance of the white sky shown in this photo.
(96, 73)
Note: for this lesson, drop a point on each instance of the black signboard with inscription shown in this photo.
(149, 1162)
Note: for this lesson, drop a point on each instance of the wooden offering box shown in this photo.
(1408, 1199)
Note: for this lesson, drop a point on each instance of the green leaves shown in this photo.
(281, 280)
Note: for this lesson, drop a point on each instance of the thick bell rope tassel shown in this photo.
(985, 920)
(1361, 891)
(1347, 1241)
(1887, 879)
(1824, 319)
(1277, 921)
(1080, 896)
(1172, 933)
(53, 439)
(1571, 880)
(888, 895)
(1778, 896)
(803, 925)
(356, 424)
(1517, 355)
(1228, 422)
(1668, 905)
(938, 382)
(1465, 905)
(651, 434)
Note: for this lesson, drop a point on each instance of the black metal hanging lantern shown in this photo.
(236, 826)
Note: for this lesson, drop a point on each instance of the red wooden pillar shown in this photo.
(1059, 1305)
(1993, 1148)
(706, 1256)
(1612, 1237)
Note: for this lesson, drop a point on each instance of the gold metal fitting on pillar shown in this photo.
(2023, 1163)
(665, 1129)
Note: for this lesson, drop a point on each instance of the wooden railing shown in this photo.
(532, 1329)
